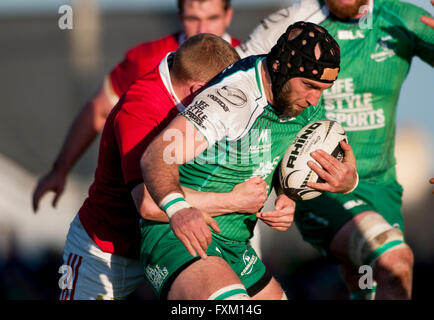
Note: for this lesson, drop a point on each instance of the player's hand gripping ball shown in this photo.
(294, 172)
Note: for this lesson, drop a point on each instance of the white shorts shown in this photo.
(88, 273)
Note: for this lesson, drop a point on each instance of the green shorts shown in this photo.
(163, 257)
(320, 219)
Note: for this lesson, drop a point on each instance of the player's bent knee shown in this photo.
(272, 291)
(396, 264)
(202, 279)
(393, 270)
(373, 237)
(231, 292)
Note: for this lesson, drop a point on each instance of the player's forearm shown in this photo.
(146, 206)
(159, 164)
(212, 203)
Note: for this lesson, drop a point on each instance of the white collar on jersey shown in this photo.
(225, 36)
(163, 68)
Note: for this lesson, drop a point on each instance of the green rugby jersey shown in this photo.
(246, 138)
(376, 53)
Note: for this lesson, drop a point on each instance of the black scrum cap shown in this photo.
(294, 55)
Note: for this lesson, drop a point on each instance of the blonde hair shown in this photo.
(202, 57)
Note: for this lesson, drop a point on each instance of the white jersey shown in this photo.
(230, 109)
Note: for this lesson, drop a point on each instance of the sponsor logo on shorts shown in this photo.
(353, 203)
(318, 219)
(156, 275)
(249, 261)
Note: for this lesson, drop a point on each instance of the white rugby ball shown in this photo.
(294, 172)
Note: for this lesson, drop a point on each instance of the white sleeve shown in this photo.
(221, 111)
(266, 34)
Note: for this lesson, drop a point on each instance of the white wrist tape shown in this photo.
(355, 186)
(172, 203)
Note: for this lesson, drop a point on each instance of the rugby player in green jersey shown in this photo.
(378, 39)
(239, 126)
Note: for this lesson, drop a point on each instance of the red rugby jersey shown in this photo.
(108, 214)
(143, 58)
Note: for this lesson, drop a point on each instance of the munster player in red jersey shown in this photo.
(102, 245)
(196, 16)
